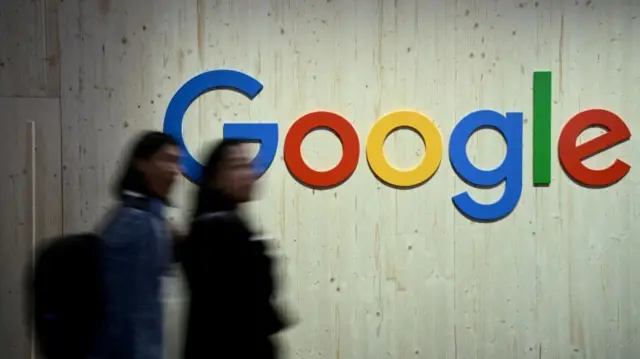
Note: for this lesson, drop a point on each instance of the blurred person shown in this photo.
(229, 273)
(136, 250)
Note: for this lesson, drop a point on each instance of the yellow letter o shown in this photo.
(433, 148)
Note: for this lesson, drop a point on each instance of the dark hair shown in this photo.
(147, 144)
(217, 155)
(211, 170)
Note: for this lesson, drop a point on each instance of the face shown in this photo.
(236, 176)
(161, 170)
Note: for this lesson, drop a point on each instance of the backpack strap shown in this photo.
(211, 215)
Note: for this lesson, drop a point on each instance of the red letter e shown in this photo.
(572, 155)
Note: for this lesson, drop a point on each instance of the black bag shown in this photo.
(67, 296)
(67, 293)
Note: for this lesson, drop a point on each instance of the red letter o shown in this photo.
(293, 149)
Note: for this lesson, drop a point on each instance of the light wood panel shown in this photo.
(31, 211)
(29, 48)
(371, 271)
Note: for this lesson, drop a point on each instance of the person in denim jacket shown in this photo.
(137, 251)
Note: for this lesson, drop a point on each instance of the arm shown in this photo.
(123, 241)
(275, 318)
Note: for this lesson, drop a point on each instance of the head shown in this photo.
(152, 166)
(228, 170)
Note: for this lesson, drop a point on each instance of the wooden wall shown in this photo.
(370, 271)
(30, 140)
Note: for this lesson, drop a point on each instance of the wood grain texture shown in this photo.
(29, 48)
(371, 271)
(31, 211)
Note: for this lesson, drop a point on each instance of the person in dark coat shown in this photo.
(229, 273)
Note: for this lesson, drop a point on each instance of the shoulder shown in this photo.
(221, 225)
(218, 220)
(124, 223)
(125, 216)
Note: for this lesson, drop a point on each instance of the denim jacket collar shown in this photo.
(150, 204)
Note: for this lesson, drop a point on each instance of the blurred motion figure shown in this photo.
(228, 272)
(136, 250)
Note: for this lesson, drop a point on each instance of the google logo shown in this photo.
(510, 125)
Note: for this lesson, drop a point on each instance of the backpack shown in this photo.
(67, 297)
(67, 293)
